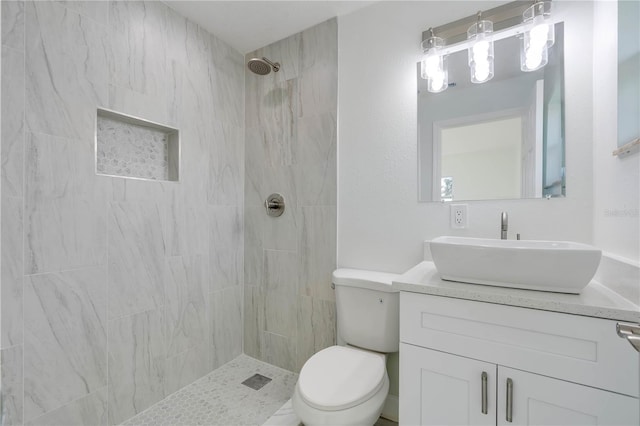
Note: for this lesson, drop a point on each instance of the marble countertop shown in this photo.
(596, 300)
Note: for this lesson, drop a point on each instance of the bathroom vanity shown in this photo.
(473, 354)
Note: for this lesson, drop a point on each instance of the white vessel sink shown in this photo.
(557, 266)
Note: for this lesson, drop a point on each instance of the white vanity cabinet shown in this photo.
(467, 362)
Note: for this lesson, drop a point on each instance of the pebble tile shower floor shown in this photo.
(220, 398)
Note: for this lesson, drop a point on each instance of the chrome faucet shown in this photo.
(504, 225)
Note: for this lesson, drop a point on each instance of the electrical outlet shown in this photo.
(458, 216)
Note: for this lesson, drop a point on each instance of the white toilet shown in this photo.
(348, 385)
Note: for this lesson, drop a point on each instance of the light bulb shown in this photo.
(482, 71)
(538, 35)
(437, 82)
(533, 58)
(480, 50)
(432, 65)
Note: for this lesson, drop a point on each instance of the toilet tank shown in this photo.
(367, 309)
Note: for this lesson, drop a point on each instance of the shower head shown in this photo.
(262, 66)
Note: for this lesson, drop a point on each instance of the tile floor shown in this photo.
(220, 398)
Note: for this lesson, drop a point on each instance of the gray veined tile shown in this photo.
(225, 58)
(280, 313)
(64, 206)
(138, 38)
(253, 320)
(12, 385)
(320, 44)
(282, 233)
(151, 107)
(316, 327)
(226, 325)
(88, 410)
(318, 90)
(186, 367)
(186, 288)
(12, 143)
(13, 24)
(226, 166)
(254, 219)
(186, 227)
(66, 68)
(279, 350)
(98, 10)
(316, 160)
(226, 247)
(187, 66)
(318, 251)
(281, 271)
(187, 43)
(228, 96)
(136, 257)
(277, 116)
(136, 364)
(64, 233)
(254, 167)
(319, 79)
(65, 338)
(59, 167)
(137, 190)
(11, 268)
(283, 180)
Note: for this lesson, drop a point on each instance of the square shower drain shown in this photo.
(257, 381)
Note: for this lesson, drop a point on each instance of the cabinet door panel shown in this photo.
(540, 400)
(443, 389)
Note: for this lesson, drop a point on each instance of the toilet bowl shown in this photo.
(349, 384)
(341, 386)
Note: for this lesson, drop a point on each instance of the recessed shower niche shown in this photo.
(132, 147)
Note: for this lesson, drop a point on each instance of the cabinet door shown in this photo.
(540, 400)
(437, 388)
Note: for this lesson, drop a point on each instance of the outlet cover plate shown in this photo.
(458, 216)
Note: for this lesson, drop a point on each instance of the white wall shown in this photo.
(617, 180)
(381, 225)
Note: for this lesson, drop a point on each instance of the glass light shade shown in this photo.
(540, 35)
(433, 67)
(481, 51)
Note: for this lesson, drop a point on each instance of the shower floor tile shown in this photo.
(220, 398)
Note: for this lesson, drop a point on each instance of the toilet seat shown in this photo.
(339, 377)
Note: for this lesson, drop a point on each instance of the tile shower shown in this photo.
(117, 293)
(291, 149)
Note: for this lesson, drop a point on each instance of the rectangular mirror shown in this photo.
(503, 139)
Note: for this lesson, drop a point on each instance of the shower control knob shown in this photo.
(274, 205)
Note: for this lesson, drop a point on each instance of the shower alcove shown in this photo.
(132, 147)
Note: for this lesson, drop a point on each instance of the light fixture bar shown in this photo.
(496, 35)
(504, 16)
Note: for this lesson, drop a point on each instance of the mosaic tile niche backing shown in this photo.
(130, 147)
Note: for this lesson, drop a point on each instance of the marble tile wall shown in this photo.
(115, 292)
(290, 140)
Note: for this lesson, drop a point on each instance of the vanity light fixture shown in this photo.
(481, 50)
(538, 37)
(434, 64)
(530, 21)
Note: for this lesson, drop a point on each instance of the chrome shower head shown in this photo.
(262, 66)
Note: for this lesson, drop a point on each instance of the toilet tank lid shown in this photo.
(361, 278)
